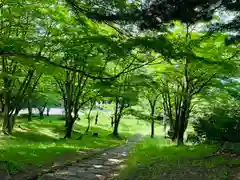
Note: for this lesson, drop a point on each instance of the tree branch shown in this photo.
(203, 85)
(48, 60)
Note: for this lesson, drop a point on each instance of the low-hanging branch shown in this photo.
(127, 69)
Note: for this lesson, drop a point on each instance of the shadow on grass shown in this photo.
(34, 154)
(158, 159)
(34, 136)
(38, 142)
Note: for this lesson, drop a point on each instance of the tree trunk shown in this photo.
(112, 121)
(180, 140)
(66, 121)
(115, 129)
(11, 123)
(152, 128)
(152, 106)
(29, 110)
(1, 104)
(182, 123)
(96, 119)
(118, 115)
(87, 128)
(180, 132)
(48, 110)
(65, 114)
(89, 123)
(175, 130)
(11, 120)
(41, 111)
(6, 114)
(69, 127)
(89, 115)
(41, 116)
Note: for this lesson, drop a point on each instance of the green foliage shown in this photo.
(159, 159)
(222, 124)
(55, 52)
(193, 138)
(46, 93)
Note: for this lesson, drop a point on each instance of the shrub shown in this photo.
(193, 138)
(223, 124)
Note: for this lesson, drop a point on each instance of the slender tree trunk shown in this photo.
(88, 126)
(6, 113)
(41, 116)
(152, 128)
(12, 119)
(152, 104)
(89, 116)
(29, 110)
(112, 121)
(96, 119)
(5, 119)
(118, 114)
(41, 111)
(180, 132)
(48, 110)
(66, 116)
(115, 129)
(182, 123)
(1, 104)
(152, 120)
(11, 123)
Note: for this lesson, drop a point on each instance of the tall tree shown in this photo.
(192, 70)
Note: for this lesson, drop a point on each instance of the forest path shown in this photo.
(98, 167)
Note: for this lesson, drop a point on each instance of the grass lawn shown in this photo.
(39, 142)
(155, 159)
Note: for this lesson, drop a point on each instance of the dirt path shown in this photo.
(99, 167)
(236, 174)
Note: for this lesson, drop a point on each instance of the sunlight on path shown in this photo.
(99, 167)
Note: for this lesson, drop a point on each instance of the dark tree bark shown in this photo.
(115, 122)
(152, 99)
(69, 128)
(152, 105)
(6, 115)
(41, 110)
(48, 110)
(152, 128)
(1, 103)
(115, 128)
(112, 121)
(119, 107)
(41, 115)
(29, 110)
(96, 119)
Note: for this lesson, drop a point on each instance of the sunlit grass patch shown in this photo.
(157, 158)
(40, 142)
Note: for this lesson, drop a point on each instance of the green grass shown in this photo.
(155, 159)
(41, 142)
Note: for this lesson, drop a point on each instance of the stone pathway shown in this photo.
(99, 167)
(236, 174)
